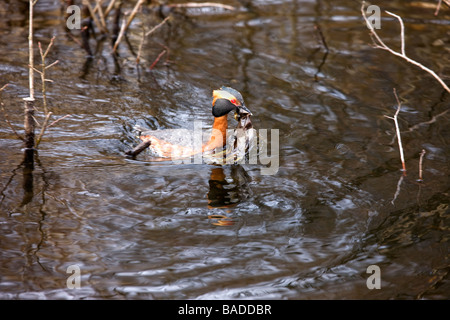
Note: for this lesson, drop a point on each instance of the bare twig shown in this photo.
(120, 36)
(125, 27)
(397, 129)
(43, 128)
(432, 120)
(134, 12)
(141, 44)
(8, 122)
(381, 45)
(438, 8)
(42, 73)
(146, 34)
(87, 3)
(201, 5)
(30, 50)
(447, 2)
(98, 8)
(57, 120)
(29, 122)
(420, 164)
(157, 59)
(159, 25)
(109, 7)
(44, 90)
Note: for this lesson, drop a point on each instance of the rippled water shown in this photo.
(139, 229)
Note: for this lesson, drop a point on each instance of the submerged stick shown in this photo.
(139, 148)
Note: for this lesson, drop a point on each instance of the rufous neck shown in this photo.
(220, 127)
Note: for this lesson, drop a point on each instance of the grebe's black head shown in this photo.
(227, 99)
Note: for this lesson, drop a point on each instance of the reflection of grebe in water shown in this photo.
(224, 193)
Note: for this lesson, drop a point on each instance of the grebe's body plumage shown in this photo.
(182, 143)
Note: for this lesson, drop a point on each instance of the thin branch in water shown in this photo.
(447, 2)
(30, 50)
(29, 122)
(87, 3)
(42, 73)
(146, 34)
(8, 122)
(120, 36)
(36, 121)
(57, 120)
(127, 24)
(141, 44)
(43, 128)
(51, 65)
(438, 8)
(381, 45)
(109, 7)
(98, 8)
(157, 59)
(159, 25)
(433, 120)
(422, 154)
(201, 5)
(397, 129)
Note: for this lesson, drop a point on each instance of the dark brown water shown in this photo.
(158, 230)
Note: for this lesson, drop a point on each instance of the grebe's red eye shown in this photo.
(233, 101)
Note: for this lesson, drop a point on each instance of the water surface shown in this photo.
(139, 229)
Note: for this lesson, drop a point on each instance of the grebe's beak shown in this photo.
(243, 110)
(244, 120)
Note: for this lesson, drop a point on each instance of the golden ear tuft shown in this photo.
(222, 94)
